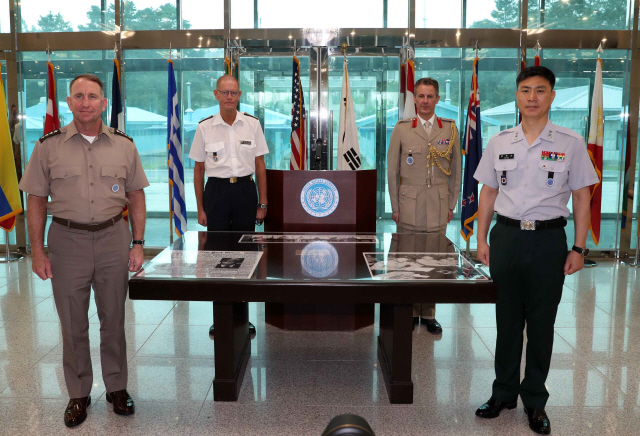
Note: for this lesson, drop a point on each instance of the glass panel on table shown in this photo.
(69, 16)
(575, 75)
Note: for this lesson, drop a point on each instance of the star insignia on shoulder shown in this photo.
(120, 133)
(49, 135)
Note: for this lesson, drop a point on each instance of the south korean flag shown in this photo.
(348, 146)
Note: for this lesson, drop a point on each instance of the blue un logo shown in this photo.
(319, 198)
(319, 259)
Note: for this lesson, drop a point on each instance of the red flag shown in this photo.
(51, 122)
(409, 101)
(402, 90)
(536, 61)
(596, 136)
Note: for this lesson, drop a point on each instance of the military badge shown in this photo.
(444, 141)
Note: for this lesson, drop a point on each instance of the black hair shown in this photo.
(536, 71)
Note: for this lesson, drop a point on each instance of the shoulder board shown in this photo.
(504, 132)
(205, 119)
(249, 115)
(118, 132)
(406, 120)
(566, 131)
(449, 120)
(49, 135)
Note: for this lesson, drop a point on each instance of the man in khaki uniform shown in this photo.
(91, 172)
(423, 165)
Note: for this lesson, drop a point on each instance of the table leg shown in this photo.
(394, 351)
(232, 349)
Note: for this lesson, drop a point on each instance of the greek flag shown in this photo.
(176, 169)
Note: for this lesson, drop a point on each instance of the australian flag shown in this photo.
(472, 149)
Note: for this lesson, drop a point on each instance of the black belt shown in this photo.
(231, 179)
(556, 223)
(89, 227)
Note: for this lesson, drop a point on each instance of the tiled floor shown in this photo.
(297, 381)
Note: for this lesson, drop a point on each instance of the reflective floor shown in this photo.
(297, 381)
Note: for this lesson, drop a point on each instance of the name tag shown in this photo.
(245, 142)
(506, 156)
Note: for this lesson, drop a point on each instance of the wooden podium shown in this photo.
(355, 212)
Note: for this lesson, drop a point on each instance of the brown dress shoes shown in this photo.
(76, 411)
(122, 402)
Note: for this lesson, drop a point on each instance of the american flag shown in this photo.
(298, 118)
(472, 149)
(176, 168)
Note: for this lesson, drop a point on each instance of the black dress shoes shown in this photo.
(122, 402)
(538, 420)
(493, 407)
(433, 326)
(76, 411)
(252, 331)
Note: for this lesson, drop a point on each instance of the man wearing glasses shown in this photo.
(228, 148)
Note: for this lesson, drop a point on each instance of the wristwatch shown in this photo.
(138, 242)
(581, 251)
(262, 206)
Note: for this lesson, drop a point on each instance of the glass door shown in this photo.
(374, 89)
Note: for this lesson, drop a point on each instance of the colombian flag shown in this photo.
(10, 205)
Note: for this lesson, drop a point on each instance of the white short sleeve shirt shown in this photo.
(228, 150)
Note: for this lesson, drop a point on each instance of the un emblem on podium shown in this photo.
(319, 198)
(319, 259)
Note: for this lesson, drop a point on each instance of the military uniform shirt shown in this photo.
(538, 179)
(87, 182)
(228, 151)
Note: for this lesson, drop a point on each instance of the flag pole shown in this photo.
(169, 185)
(9, 256)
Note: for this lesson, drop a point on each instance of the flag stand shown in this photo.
(636, 261)
(9, 256)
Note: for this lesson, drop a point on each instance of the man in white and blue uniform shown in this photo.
(529, 173)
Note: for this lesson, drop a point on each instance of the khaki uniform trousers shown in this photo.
(80, 260)
(424, 310)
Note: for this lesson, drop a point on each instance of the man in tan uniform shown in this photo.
(91, 172)
(423, 165)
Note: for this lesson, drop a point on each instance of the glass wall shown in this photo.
(66, 16)
(265, 82)
(575, 75)
(589, 15)
(482, 14)
(273, 14)
(196, 73)
(172, 14)
(5, 26)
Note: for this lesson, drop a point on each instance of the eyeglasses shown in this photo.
(227, 93)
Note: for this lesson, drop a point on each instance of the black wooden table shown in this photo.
(395, 270)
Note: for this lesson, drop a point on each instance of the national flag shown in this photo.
(348, 146)
(472, 149)
(51, 122)
(298, 141)
(596, 136)
(536, 61)
(117, 114)
(10, 204)
(627, 196)
(402, 90)
(227, 65)
(409, 101)
(176, 169)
